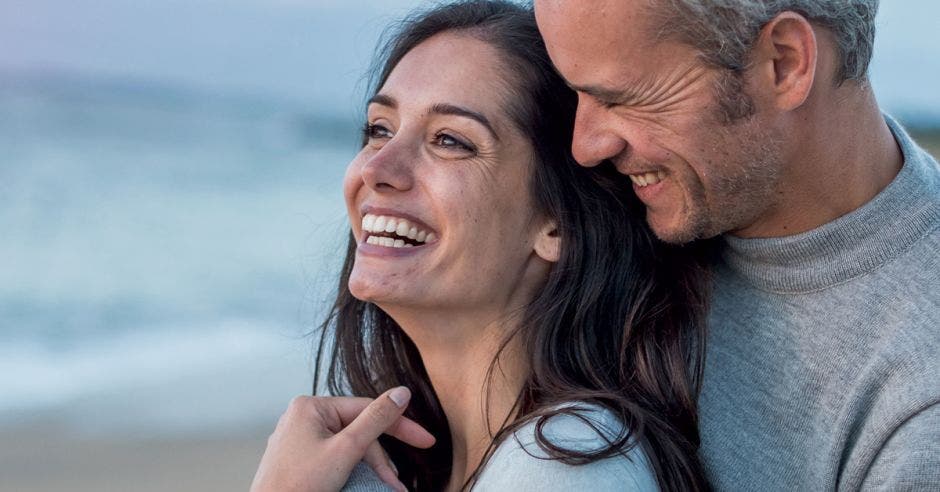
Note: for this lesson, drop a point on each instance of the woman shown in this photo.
(547, 339)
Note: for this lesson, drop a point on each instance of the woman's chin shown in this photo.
(362, 292)
(375, 291)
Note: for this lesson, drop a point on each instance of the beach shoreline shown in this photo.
(44, 457)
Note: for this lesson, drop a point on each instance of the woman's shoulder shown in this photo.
(519, 463)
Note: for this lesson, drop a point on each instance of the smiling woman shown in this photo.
(548, 340)
(443, 154)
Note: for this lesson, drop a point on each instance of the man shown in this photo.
(754, 120)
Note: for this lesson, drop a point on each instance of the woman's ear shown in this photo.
(548, 242)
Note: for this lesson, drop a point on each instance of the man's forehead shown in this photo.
(598, 25)
(612, 50)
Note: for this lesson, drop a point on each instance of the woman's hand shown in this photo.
(319, 440)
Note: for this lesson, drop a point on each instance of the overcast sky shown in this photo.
(314, 51)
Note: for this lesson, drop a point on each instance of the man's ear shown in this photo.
(548, 242)
(786, 57)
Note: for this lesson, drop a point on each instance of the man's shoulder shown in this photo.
(911, 284)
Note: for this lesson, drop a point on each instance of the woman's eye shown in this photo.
(448, 141)
(375, 131)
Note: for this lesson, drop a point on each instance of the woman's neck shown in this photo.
(458, 352)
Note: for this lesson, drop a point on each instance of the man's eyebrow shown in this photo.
(383, 100)
(603, 93)
(450, 109)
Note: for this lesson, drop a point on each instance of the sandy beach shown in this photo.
(44, 459)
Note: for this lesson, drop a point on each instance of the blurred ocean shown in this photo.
(162, 253)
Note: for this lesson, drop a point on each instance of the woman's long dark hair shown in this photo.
(619, 322)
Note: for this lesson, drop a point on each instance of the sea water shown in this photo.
(163, 254)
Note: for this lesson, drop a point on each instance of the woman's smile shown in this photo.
(388, 232)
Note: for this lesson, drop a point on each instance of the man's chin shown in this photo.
(678, 230)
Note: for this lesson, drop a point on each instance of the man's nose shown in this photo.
(391, 168)
(594, 139)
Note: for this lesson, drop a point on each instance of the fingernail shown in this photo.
(400, 396)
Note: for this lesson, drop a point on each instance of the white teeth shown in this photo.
(399, 243)
(647, 179)
(379, 224)
(403, 228)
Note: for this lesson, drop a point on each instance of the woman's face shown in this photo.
(439, 197)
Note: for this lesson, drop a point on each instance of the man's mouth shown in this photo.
(395, 232)
(645, 179)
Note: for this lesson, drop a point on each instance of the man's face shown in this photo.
(651, 107)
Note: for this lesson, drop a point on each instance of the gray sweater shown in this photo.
(823, 364)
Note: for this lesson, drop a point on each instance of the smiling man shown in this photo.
(753, 120)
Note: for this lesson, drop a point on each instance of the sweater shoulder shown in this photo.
(522, 463)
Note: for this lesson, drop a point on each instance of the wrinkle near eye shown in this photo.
(664, 94)
(488, 164)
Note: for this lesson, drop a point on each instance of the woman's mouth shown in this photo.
(394, 232)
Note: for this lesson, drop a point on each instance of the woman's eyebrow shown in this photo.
(440, 108)
(450, 109)
(383, 100)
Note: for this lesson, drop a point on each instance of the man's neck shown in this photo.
(840, 154)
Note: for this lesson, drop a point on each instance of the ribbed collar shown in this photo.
(854, 244)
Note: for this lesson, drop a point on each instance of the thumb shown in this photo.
(376, 418)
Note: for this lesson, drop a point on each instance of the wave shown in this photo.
(134, 108)
(166, 375)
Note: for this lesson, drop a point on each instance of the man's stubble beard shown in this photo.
(741, 196)
(741, 187)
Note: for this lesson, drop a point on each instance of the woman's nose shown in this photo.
(390, 169)
(594, 140)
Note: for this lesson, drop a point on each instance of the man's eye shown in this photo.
(448, 141)
(376, 131)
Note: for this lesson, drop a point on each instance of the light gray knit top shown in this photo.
(823, 364)
(519, 464)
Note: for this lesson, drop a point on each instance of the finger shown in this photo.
(376, 418)
(404, 429)
(378, 459)
(410, 432)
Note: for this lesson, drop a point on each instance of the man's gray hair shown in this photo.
(725, 30)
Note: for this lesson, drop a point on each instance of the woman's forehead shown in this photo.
(452, 68)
